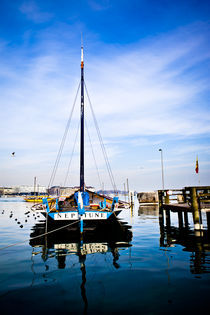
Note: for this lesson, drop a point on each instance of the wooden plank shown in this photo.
(175, 207)
(198, 187)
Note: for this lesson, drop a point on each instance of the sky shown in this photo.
(147, 73)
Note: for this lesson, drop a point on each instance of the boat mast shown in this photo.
(82, 184)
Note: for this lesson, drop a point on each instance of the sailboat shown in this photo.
(83, 205)
(36, 198)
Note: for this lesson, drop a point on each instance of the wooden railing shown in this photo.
(185, 195)
(188, 199)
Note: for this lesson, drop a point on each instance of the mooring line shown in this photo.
(32, 238)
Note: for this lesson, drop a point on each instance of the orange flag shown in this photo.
(196, 166)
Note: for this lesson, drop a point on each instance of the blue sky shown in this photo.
(147, 72)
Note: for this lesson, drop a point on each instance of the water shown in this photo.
(138, 271)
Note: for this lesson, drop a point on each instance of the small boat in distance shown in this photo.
(83, 204)
(37, 199)
(37, 196)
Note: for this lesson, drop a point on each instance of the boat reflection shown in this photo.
(107, 238)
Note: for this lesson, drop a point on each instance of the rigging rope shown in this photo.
(62, 142)
(100, 140)
(102, 145)
(99, 178)
(67, 173)
(32, 238)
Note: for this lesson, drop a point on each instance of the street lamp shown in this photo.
(161, 154)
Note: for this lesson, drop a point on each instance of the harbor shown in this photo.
(104, 157)
(81, 251)
(120, 270)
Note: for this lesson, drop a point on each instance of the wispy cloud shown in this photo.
(31, 10)
(99, 5)
(143, 94)
(152, 90)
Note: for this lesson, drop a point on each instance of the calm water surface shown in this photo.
(144, 269)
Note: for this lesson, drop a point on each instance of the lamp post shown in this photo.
(161, 154)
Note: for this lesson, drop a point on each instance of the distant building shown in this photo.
(6, 191)
(23, 190)
(29, 190)
(40, 190)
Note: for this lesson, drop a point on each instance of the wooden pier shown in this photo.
(184, 201)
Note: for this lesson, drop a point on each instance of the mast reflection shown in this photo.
(109, 237)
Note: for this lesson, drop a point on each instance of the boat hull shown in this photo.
(88, 216)
(90, 219)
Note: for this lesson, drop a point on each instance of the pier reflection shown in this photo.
(191, 241)
(151, 209)
(106, 238)
(197, 243)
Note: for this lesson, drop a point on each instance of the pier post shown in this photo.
(132, 202)
(186, 223)
(162, 234)
(208, 221)
(160, 198)
(161, 217)
(180, 218)
(168, 219)
(167, 200)
(194, 205)
(131, 195)
(160, 201)
(184, 195)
